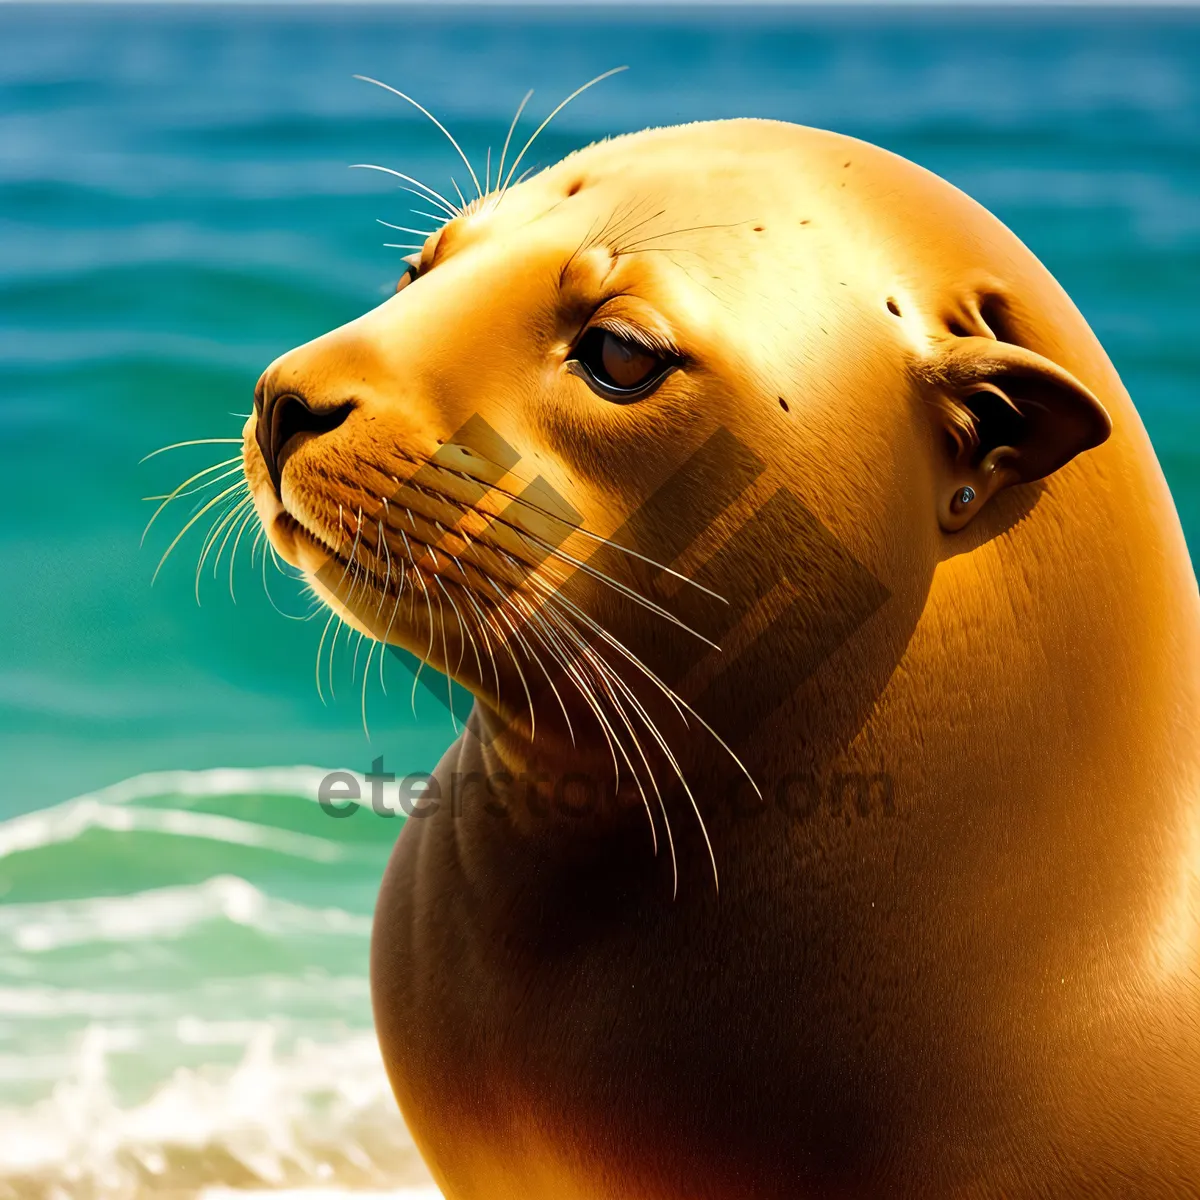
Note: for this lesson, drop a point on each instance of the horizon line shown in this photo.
(640, 5)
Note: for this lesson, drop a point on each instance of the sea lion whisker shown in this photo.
(585, 243)
(575, 669)
(178, 492)
(651, 563)
(460, 195)
(544, 619)
(619, 212)
(429, 649)
(655, 733)
(537, 132)
(196, 517)
(266, 588)
(487, 641)
(233, 553)
(401, 246)
(222, 441)
(223, 523)
(443, 217)
(241, 510)
(616, 584)
(387, 579)
(352, 561)
(593, 702)
(320, 647)
(556, 597)
(355, 576)
(215, 526)
(530, 653)
(504, 642)
(681, 229)
(422, 109)
(582, 530)
(341, 624)
(354, 660)
(508, 137)
(618, 236)
(233, 505)
(366, 676)
(425, 233)
(608, 671)
(407, 229)
(515, 601)
(237, 523)
(467, 636)
(353, 549)
(607, 677)
(614, 700)
(433, 195)
(376, 551)
(387, 633)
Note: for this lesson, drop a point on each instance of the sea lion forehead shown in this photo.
(719, 164)
(695, 191)
(718, 193)
(701, 168)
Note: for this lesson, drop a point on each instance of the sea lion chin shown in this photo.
(827, 821)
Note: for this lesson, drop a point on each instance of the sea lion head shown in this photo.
(645, 346)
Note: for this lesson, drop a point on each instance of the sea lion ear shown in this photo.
(1010, 416)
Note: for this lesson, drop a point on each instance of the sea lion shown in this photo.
(847, 428)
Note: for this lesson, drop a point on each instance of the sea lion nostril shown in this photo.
(282, 417)
(260, 391)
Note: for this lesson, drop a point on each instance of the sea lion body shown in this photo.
(976, 977)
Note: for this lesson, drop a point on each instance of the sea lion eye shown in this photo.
(412, 268)
(410, 273)
(618, 368)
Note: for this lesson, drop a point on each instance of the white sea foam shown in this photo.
(115, 809)
(129, 1069)
(65, 822)
(217, 781)
(315, 1121)
(169, 912)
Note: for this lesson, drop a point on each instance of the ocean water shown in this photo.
(183, 932)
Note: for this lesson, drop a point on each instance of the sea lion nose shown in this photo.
(283, 417)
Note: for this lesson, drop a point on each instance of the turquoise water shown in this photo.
(182, 956)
